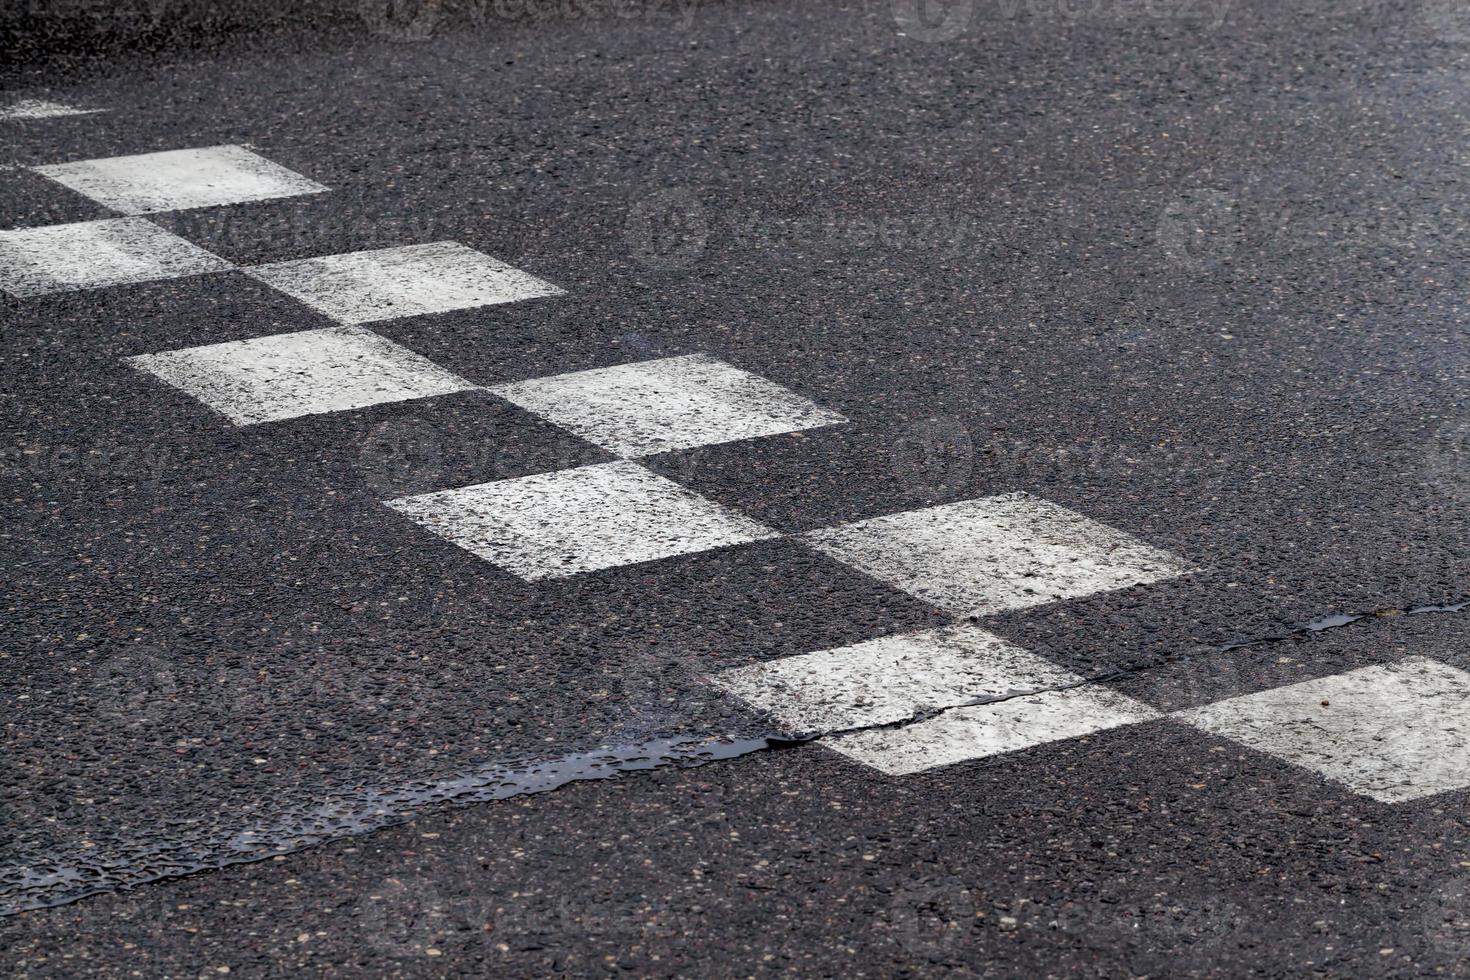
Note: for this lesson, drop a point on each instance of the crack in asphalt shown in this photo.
(47, 883)
(1320, 625)
(50, 882)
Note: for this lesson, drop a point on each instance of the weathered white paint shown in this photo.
(283, 376)
(177, 179)
(1395, 732)
(672, 403)
(961, 734)
(558, 524)
(890, 679)
(93, 254)
(42, 109)
(985, 556)
(360, 287)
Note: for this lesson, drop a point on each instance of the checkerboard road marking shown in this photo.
(283, 376)
(41, 109)
(962, 734)
(650, 407)
(178, 179)
(361, 287)
(979, 557)
(94, 254)
(1395, 732)
(895, 678)
(558, 524)
(890, 679)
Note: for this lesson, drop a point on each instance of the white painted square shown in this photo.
(1395, 732)
(287, 375)
(961, 734)
(554, 525)
(93, 254)
(985, 556)
(41, 109)
(672, 403)
(360, 287)
(891, 679)
(176, 179)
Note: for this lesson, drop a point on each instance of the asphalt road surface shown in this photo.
(745, 488)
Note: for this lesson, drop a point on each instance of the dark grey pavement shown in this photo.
(1150, 853)
(1199, 278)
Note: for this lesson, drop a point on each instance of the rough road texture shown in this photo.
(1200, 281)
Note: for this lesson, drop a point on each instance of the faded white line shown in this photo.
(1395, 732)
(176, 179)
(890, 679)
(557, 524)
(962, 734)
(361, 287)
(979, 557)
(284, 376)
(672, 403)
(42, 109)
(93, 254)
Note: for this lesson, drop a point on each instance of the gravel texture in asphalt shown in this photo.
(1195, 273)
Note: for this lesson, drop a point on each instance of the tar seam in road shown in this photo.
(29, 887)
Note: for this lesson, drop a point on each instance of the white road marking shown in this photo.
(176, 179)
(284, 376)
(41, 109)
(961, 734)
(360, 287)
(92, 254)
(673, 403)
(890, 679)
(558, 524)
(985, 556)
(1396, 732)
